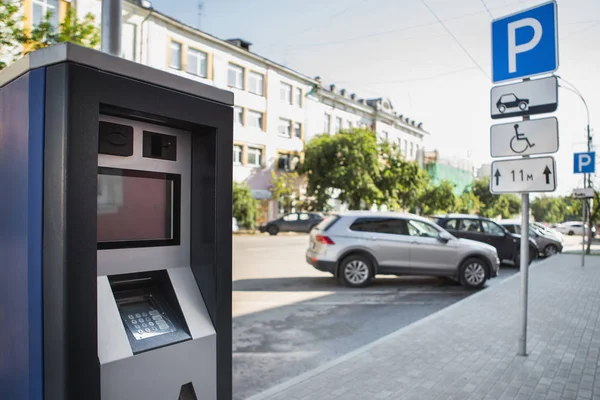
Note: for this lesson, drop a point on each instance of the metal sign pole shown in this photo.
(524, 267)
(583, 233)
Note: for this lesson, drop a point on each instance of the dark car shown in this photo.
(293, 222)
(485, 230)
(511, 101)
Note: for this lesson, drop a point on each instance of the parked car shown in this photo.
(485, 230)
(234, 225)
(292, 222)
(547, 245)
(356, 246)
(548, 231)
(573, 228)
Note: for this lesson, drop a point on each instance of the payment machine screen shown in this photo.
(137, 208)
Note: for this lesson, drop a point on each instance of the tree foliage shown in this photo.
(347, 163)
(504, 205)
(285, 188)
(555, 209)
(15, 41)
(401, 183)
(439, 199)
(245, 206)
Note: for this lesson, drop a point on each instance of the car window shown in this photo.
(290, 217)
(327, 223)
(470, 225)
(492, 228)
(419, 228)
(380, 225)
(510, 228)
(509, 97)
(452, 224)
(304, 217)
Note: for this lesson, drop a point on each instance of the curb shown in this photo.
(316, 371)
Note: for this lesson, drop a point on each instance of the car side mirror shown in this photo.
(444, 237)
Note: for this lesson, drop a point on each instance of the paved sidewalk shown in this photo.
(468, 350)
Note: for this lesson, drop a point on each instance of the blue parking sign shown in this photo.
(584, 163)
(525, 44)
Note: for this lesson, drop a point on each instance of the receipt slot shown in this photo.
(114, 231)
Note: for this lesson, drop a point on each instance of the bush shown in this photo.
(245, 206)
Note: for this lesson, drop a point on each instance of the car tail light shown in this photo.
(324, 239)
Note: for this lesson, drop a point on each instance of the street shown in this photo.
(290, 318)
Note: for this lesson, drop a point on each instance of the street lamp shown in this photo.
(589, 148)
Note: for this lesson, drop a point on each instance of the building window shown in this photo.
(41, 7)
(284, 162)
(327, 126)
(254, 157)
(405, 148)
(255, 119)
(412, 153)
(338, 124)
(128, 41)
(350, 124)
(237, 155)
(285, 127)
(256, 83)
(385, 136)
(235, 76)
(175, 55)
(298, 92)
(238, 115)
(298, 130)
(196, 62)
(285, 93)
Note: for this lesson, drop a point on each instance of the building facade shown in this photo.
(277, 109)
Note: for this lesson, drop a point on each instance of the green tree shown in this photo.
(468, 203)
(439, 199)
(245, 206)
(402, 183)
(555, 209)
(16, 42)
(346, 162)
(504, 205)
(11, 31)
(285, 188)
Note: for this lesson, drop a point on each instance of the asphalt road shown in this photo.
(290, 318)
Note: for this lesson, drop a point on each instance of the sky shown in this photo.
(431, 58)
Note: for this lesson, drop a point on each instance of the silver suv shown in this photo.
(355, 246)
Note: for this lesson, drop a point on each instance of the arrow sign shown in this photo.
(547, 172)
(525, 175)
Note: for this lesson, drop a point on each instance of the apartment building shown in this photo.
(277, 109)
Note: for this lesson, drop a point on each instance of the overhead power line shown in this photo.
(487, 9)
(455, 39)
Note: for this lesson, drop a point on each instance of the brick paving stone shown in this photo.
(468, 351)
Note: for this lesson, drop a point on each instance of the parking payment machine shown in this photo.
(115, 223)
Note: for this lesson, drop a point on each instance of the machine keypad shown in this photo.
(145, 322)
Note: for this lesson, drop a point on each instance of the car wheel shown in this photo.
(501, 108)
(522, 106)
(571, 233)
(472, 273)
(550, 250)
(356, 271)
(532, 256)
(273, 230)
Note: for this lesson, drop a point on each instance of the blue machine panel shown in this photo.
(22, 105)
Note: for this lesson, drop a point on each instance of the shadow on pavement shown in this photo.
(330, 284)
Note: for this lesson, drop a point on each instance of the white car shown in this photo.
(234, 225)
(573, 228)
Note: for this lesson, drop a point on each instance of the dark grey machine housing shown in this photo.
(50, 107)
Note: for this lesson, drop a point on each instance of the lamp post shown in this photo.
(573, 89)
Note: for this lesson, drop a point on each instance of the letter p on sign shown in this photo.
(514, 48)
(525, 44)
(584, 163)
